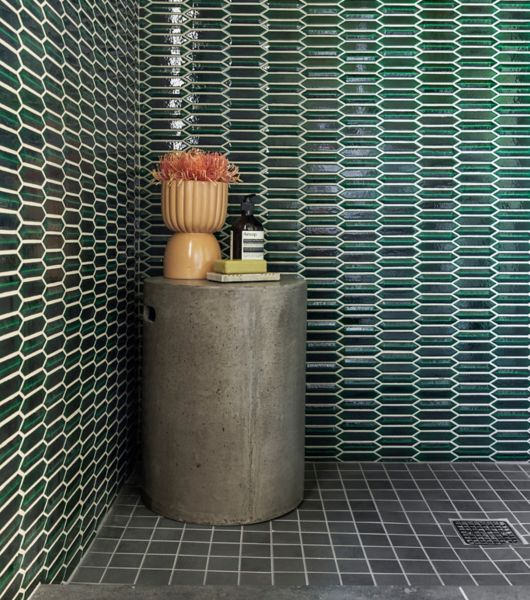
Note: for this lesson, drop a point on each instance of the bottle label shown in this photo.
(252, 245)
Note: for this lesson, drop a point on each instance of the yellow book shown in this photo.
(237, 267)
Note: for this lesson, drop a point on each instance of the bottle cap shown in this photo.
(247, 204)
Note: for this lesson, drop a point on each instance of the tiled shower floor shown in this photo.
(360, 523)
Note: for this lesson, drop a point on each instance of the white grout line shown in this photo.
(272, 552)
(146, 552)
(174, 565)
(355, 525)
(383, 525)
(240, 555)
(412, 527)
(208, 556)
(439, 524)
(119, 539)
(464, 595)
(508, 511)
(327, 524)
(302, 547)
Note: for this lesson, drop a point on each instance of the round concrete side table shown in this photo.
(223, 399)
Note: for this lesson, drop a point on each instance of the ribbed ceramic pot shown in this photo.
(194, 210)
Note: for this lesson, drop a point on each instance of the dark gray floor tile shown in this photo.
(372, 539)
(194, 548)
(283, 537)
(256, 537)
(285, 526)
(163, 548)
(352, 565)
(417, 566)
(96, 559)
(385, 566)
(223, 563)
(404, 541)
(349, 552)
(221, 549)
(221, 578)
(259, 550)
(158, 561)
(187, 578)
(448, 566)
(480, 566)
(189, 563)
(254, 527)
(88, 575)
(137, 533)
(320, 539)
(318, 551)
(223, 535)
(323, 579)
(490, 579)
(150, 522)
(357, 579)
(132, 547)
(321, 565)
(423, 580)
(288, 564)
(124, 576)
(102, 545)
(287, 550)
(409, 553)
(289, 579)
(457, 579)
(255, 579)
(169, 523)
(318, 526)
(115, 520)
(513, 566)
(441, 553)
(379, 552)
(519, 578)
(389, 579)
(154, 577)
(198, 535)
(364, 527)
(168, 535)
(111, 532)
(255, 564)
(131, 561)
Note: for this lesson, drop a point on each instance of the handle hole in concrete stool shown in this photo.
(149, 313)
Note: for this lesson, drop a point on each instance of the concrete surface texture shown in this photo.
(184, 592)
(223, 399)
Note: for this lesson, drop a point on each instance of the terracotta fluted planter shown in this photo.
(194, 210)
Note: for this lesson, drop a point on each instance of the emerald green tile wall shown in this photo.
(389, 143)
(67, 278)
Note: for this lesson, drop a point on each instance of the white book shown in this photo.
(242, 277)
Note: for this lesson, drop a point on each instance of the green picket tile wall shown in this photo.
(67, 278)
(390, 144)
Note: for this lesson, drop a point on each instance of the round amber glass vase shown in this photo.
(194, 210)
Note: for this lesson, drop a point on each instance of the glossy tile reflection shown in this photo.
(387, 141)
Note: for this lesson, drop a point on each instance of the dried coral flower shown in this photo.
(196, 165)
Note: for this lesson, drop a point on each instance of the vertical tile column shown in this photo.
(437, 247)
(397, 272)
(511, 226)
(474, 233)
(360, 55)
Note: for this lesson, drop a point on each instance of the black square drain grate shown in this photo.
(486, 532)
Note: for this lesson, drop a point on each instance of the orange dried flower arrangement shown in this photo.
(196, 165)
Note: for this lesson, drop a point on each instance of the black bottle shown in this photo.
(247, 236)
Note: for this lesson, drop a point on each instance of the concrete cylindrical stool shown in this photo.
(223, 399)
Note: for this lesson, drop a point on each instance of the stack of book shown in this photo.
(236, 271)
